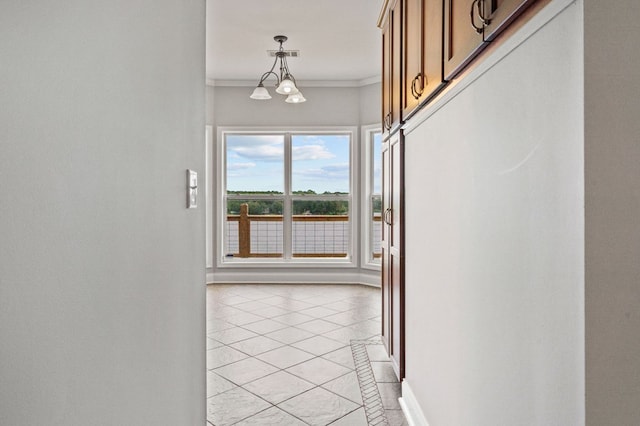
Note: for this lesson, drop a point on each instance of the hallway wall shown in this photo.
(495, 240)
(325, 106)
(101, 265)
(612, 234)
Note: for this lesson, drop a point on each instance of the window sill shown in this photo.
(289, 263)
(372, 266)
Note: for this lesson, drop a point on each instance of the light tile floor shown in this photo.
(281, 355)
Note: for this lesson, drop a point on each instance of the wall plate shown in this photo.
(192, 189)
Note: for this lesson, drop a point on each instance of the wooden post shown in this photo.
(244, 231)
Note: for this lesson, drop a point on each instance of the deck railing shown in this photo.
(261, 235)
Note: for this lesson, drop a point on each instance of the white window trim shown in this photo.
(366, 135)
(209, 167)
(354, 218)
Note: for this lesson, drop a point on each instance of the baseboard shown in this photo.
(293, 277)
(410, 407)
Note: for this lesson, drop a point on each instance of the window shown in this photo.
(372, 196)
(287, 196)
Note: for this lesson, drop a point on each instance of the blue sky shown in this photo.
(256, 163)
(377, 163)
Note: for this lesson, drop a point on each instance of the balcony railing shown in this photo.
(253, 236)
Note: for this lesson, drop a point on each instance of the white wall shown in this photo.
(494, 243)
(370, 104)
(101, 265)
(209, 108)
(612, 181)
(325, 107)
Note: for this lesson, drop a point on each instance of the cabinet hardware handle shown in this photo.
(387, 214)
(421, 80)
(478, 29)
(387, 121)
(485, 21)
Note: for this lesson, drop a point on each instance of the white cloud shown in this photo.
(331, 172)
(258, 148)
(311, 152)
(240, 166)
(270, 148)
(261, 152)
(337, 168)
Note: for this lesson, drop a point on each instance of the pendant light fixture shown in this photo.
(285, 82)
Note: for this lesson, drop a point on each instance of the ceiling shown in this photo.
(338, 39)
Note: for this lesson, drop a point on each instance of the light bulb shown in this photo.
(295, 98)
(287, 87)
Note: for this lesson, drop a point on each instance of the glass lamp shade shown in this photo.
(295, 98)
(260, 93)
(287, 87)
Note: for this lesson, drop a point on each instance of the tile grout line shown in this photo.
(373, 407)
(244, 310)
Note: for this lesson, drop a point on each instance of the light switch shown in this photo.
(192, 189)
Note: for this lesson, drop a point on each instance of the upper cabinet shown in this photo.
(470, 24)
(463, 34)
(391, 67)
(422, 50)
(498, 14)
(426, 43)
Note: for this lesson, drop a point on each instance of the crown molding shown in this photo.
(370, 80)
(383, 13)
(302, 83)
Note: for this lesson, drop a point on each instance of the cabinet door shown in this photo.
(412, 44)
(393, 253)
(395, 18)
(391, 67)
(386, 77)
(422, 53)
(463, 34)
(396, 253)
(386, 244)
(498, 14)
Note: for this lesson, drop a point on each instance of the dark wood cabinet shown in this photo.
(470, 24)
(463, 34)
(498, 14)
(391, 23)
(422, 49)
(385, 245)
(393, 250)
(391, 68)
(425, 44)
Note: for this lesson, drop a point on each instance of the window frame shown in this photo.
(367, 136)
(288, 197)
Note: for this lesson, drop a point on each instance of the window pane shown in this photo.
(321, 228)
(376, 227)
(255, 164)
(320, 164)
(253, 228)
(377, 163)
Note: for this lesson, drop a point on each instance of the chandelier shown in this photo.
(285, 83)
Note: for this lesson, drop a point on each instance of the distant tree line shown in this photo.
(377, 204)
(300, 207)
